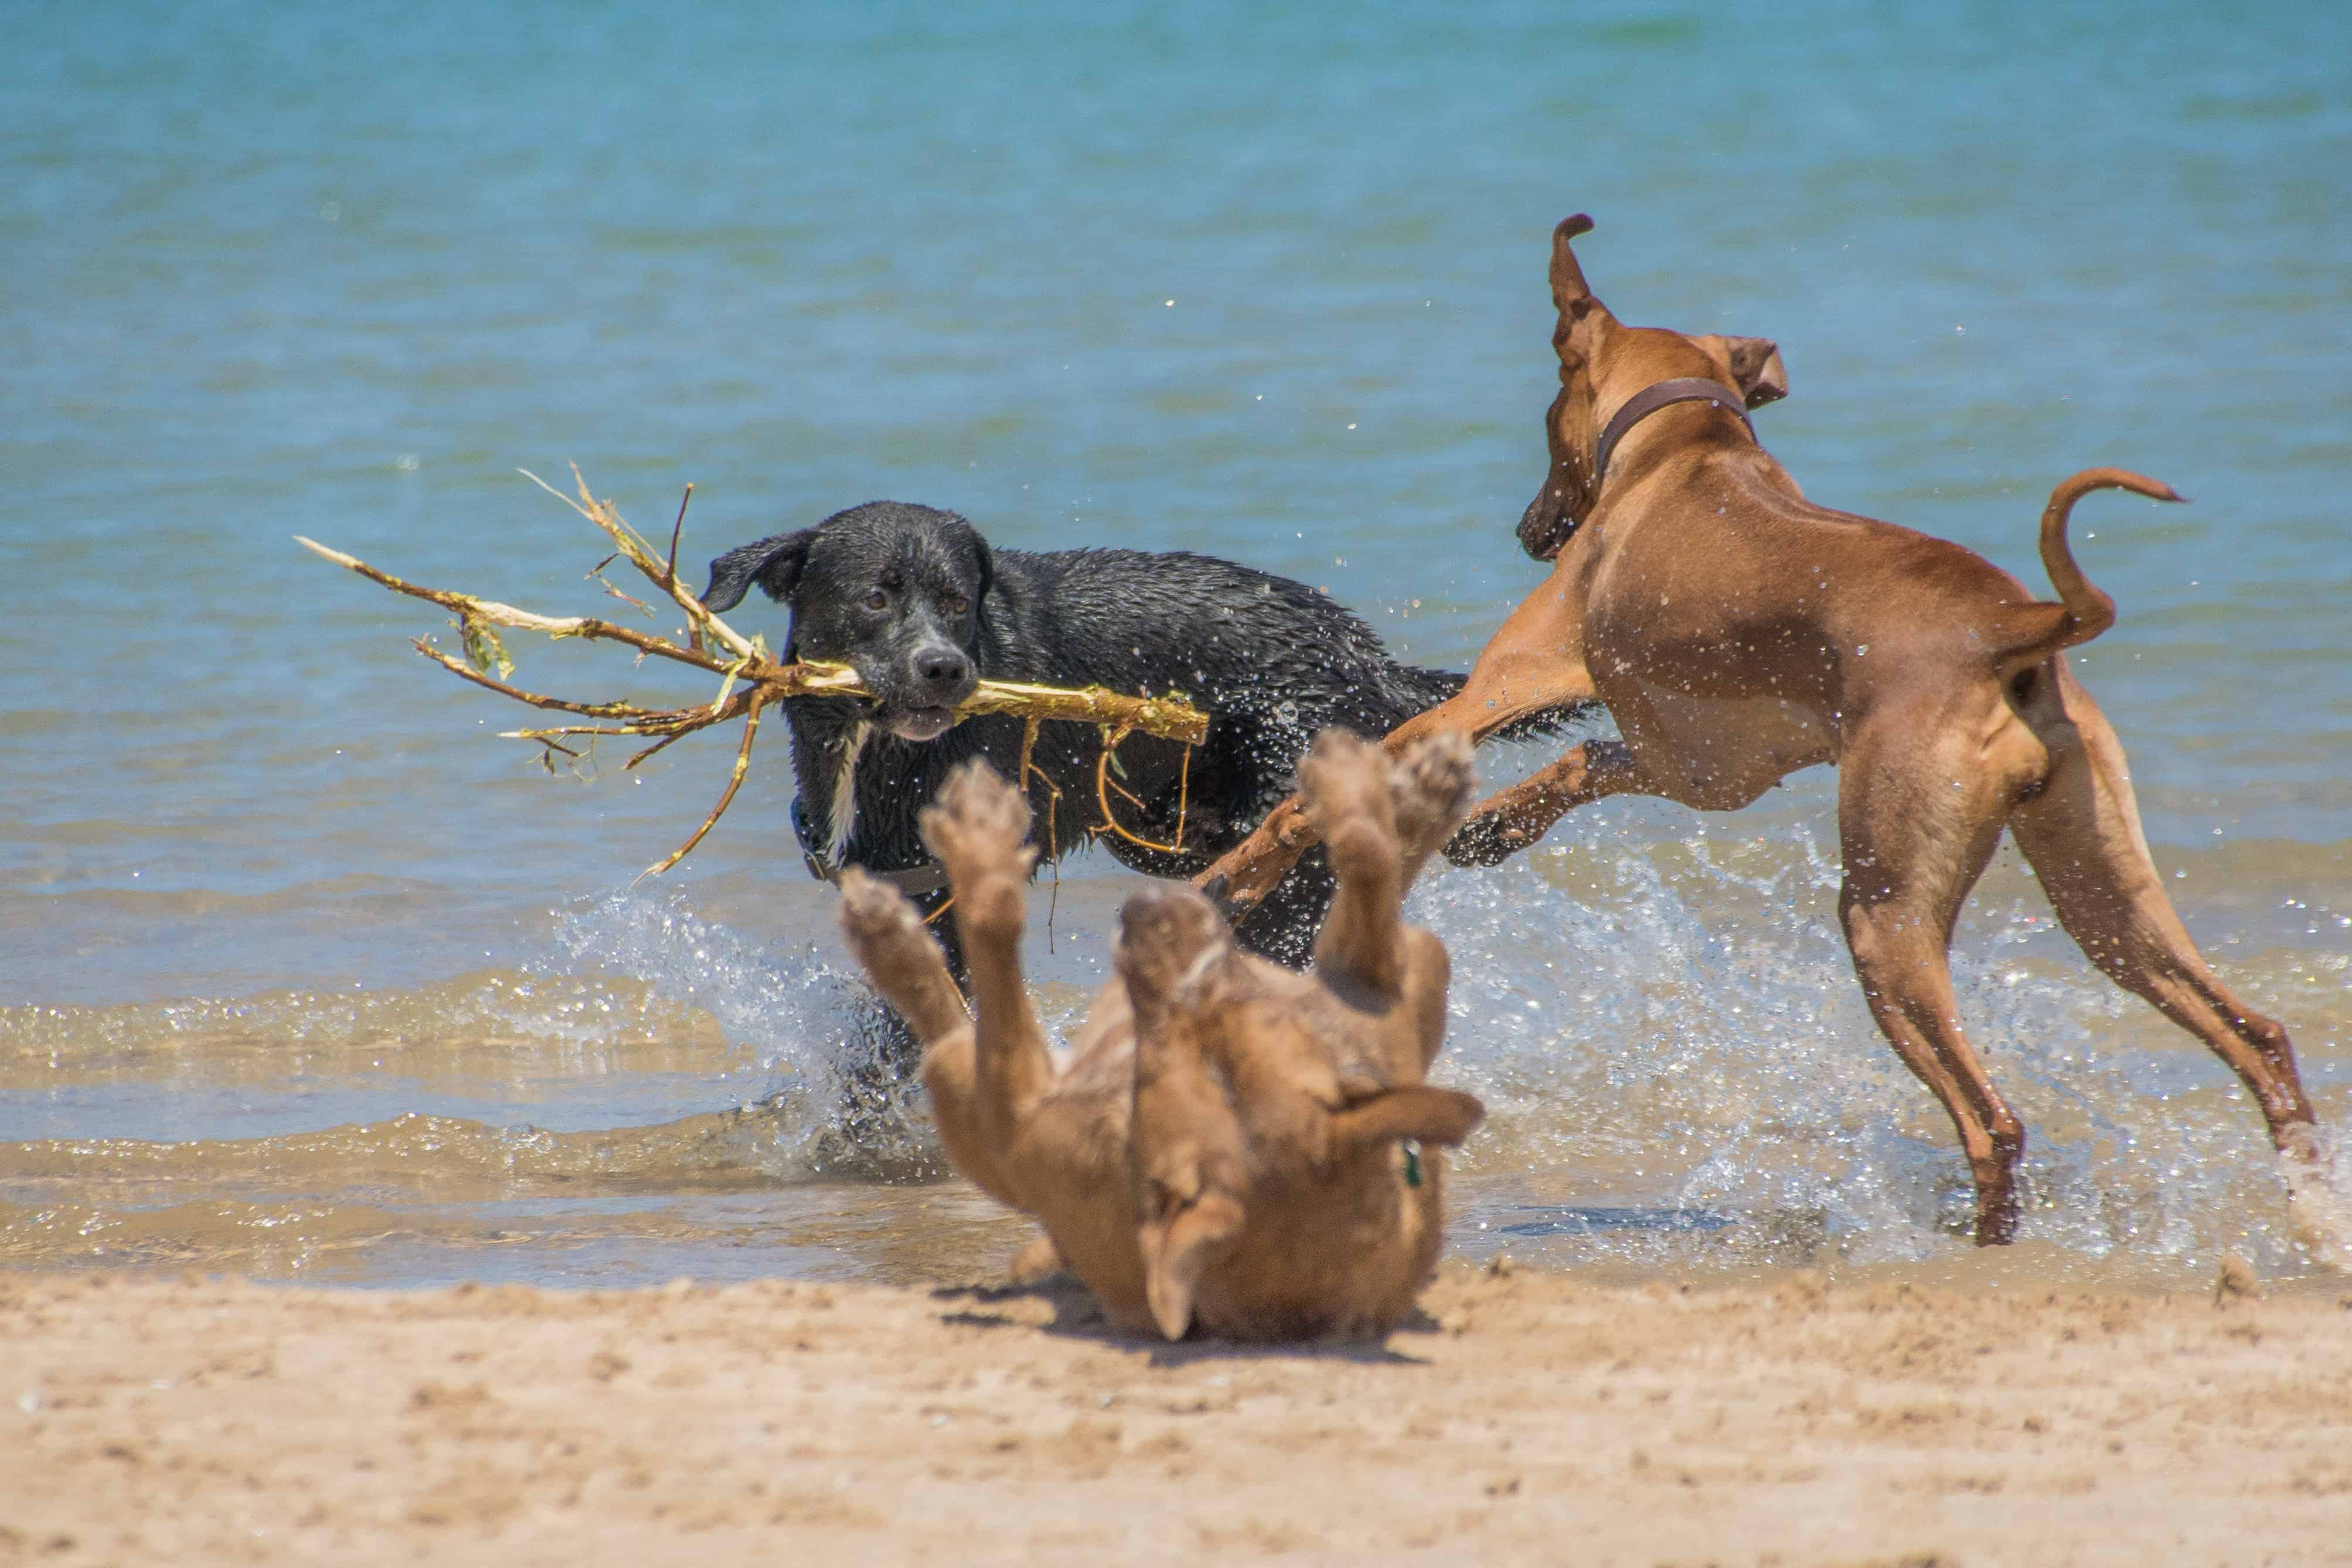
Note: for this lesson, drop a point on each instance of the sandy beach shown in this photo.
(360, 1097)
(1528, 1418)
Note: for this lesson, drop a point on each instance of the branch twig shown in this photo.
(726, 798)
(750, 679)
(470, 608)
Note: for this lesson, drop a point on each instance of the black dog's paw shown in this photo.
(1484, 842)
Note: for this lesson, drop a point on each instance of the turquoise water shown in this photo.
(1265, 285)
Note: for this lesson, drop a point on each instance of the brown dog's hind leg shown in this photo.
(1511, 820)
(2081, 833)
(1917, 823)
(976, 828)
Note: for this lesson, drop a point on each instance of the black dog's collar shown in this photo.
(1649, 400)
(913, 880)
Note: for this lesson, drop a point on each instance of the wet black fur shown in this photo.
(1273, 661)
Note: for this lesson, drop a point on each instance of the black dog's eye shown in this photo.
(962, 604)
(878, 600)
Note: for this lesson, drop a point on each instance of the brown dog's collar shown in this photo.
(1648, 400)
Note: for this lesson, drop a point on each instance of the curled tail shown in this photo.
(2029, 634)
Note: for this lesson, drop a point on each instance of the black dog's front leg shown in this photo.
(884, 1057)
(1282, 924)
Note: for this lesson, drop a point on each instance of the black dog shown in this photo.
(917, 601)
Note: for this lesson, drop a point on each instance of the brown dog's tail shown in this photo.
(2030, 633)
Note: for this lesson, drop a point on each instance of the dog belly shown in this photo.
(1719, 753)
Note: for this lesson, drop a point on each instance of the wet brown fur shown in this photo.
(1737, 633)
(1232, 1146)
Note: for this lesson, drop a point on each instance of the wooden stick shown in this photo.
(719, 649)
(726, 798)
(1103, 786)
(1169, 717)
(469, 608)
(593, 710)
(641, 556)
(677, 530)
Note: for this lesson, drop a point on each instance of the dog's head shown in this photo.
(895, 592)
(1241, 1109)
(1603, 362)
(1187, 1163)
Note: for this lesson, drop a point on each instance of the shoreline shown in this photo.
(1525, 1416)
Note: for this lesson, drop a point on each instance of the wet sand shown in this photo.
(1529, 1417)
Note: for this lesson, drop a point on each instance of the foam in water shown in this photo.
(842, 1099)
(1670, 1024)
(1682, 1015)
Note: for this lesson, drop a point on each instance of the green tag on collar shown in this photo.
(1411, 1162)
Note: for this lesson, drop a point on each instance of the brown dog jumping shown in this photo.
(1737, 631)
(1232, 1144)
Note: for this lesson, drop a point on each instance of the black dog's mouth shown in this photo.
(919, 725)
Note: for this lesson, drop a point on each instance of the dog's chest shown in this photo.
(844, 793)
(1751, 740)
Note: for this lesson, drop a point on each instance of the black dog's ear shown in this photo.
(773, 563)
(987, 559)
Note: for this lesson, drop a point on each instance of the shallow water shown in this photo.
(304, 974)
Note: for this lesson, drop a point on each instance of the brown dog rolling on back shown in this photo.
(1736, 633)
(1233, 1144)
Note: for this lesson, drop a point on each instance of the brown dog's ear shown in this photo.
(1416, 1110)
(1568, 284)
(1175, 1251)
(1756, 366)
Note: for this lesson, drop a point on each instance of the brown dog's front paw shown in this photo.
(1343, 776)
(1343, 783)
(876, 918)
(977, 825)
(1431, 788)
(886, 934)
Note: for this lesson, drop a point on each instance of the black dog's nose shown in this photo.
(943, 667)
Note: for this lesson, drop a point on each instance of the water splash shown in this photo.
(1675, 1023)
(838, 1072)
